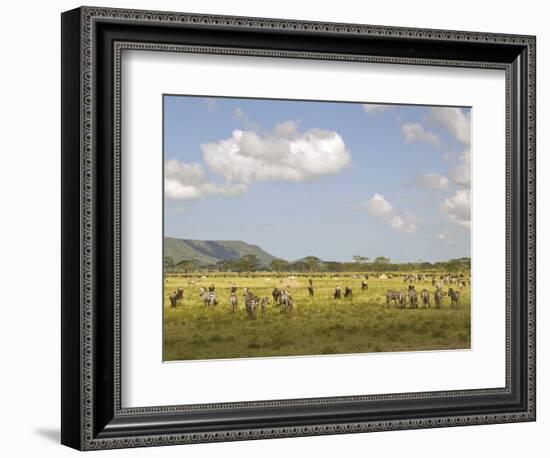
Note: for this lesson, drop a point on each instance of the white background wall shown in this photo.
(30, 214)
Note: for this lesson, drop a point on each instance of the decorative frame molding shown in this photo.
(93, 39)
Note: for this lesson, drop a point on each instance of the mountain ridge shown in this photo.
(212, 251)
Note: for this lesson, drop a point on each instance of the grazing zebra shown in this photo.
(173, 299)
(425, 296)
(310, 290)
(413, 297)
(234, 300)
(455, 298)
(210, 299)
(391, 295)
(263, 305)
(438, 297)
(202, 292)
(211, 288)
(348, 292)
(180, 293)
(251, 304)
(337, 293)
(364, 285)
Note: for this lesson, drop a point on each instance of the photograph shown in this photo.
(309, 228)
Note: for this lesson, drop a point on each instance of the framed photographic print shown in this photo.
(277, 228)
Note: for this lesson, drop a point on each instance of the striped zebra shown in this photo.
(179, 293)
(337, 293)
(425, 296)
(234, 300)
(251, 304)
(455, 298)
(287, 303)
(413, 297)
(173, 299)
(401, 296)
(391, 295)
(438, 297)
(210, 299)
(202, 292)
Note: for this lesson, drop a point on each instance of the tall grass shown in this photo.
(320, 325)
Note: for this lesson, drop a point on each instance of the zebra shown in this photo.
(233, 289)
(263, 305)
(401, 298)
(391, 295)
(287, 303)
(310, 290)
(337, 293)
(455, 298)
(251, 303)
(202, 292)
(438, 297)
(210, 299)
(180, 293)
(276, 294)
(348, 292)
(234, 300)
(413, 298)
(425, 295)
(173, 299)
(364, 285)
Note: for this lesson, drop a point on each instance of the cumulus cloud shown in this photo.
(244, 119)
(373, 108)
(189, 182)
(286, 154)
(415, 132)
(380, 208)
(461, 174)
(458, 208)
(433, 181)
(454, 121)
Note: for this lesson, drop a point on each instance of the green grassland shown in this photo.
(320, 325)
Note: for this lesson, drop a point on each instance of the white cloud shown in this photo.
(454, 121)
(461, 174)
(244, 119)
(373, 108)
(415, 132)
(188, 182)
(380, 208)
(433, 181)
(284, 154)
(458, 208)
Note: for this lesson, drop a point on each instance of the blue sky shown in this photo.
(328, 179)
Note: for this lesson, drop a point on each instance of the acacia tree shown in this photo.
(250, 262)
(312, 262)
(279, 265)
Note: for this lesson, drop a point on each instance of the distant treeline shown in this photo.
(310, 264)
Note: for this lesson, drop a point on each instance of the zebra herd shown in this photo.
(283, 298)
(252, 302)
(402, 296)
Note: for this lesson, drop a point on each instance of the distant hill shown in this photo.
(211, 251)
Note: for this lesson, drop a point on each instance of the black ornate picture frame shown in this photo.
(92, 42)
